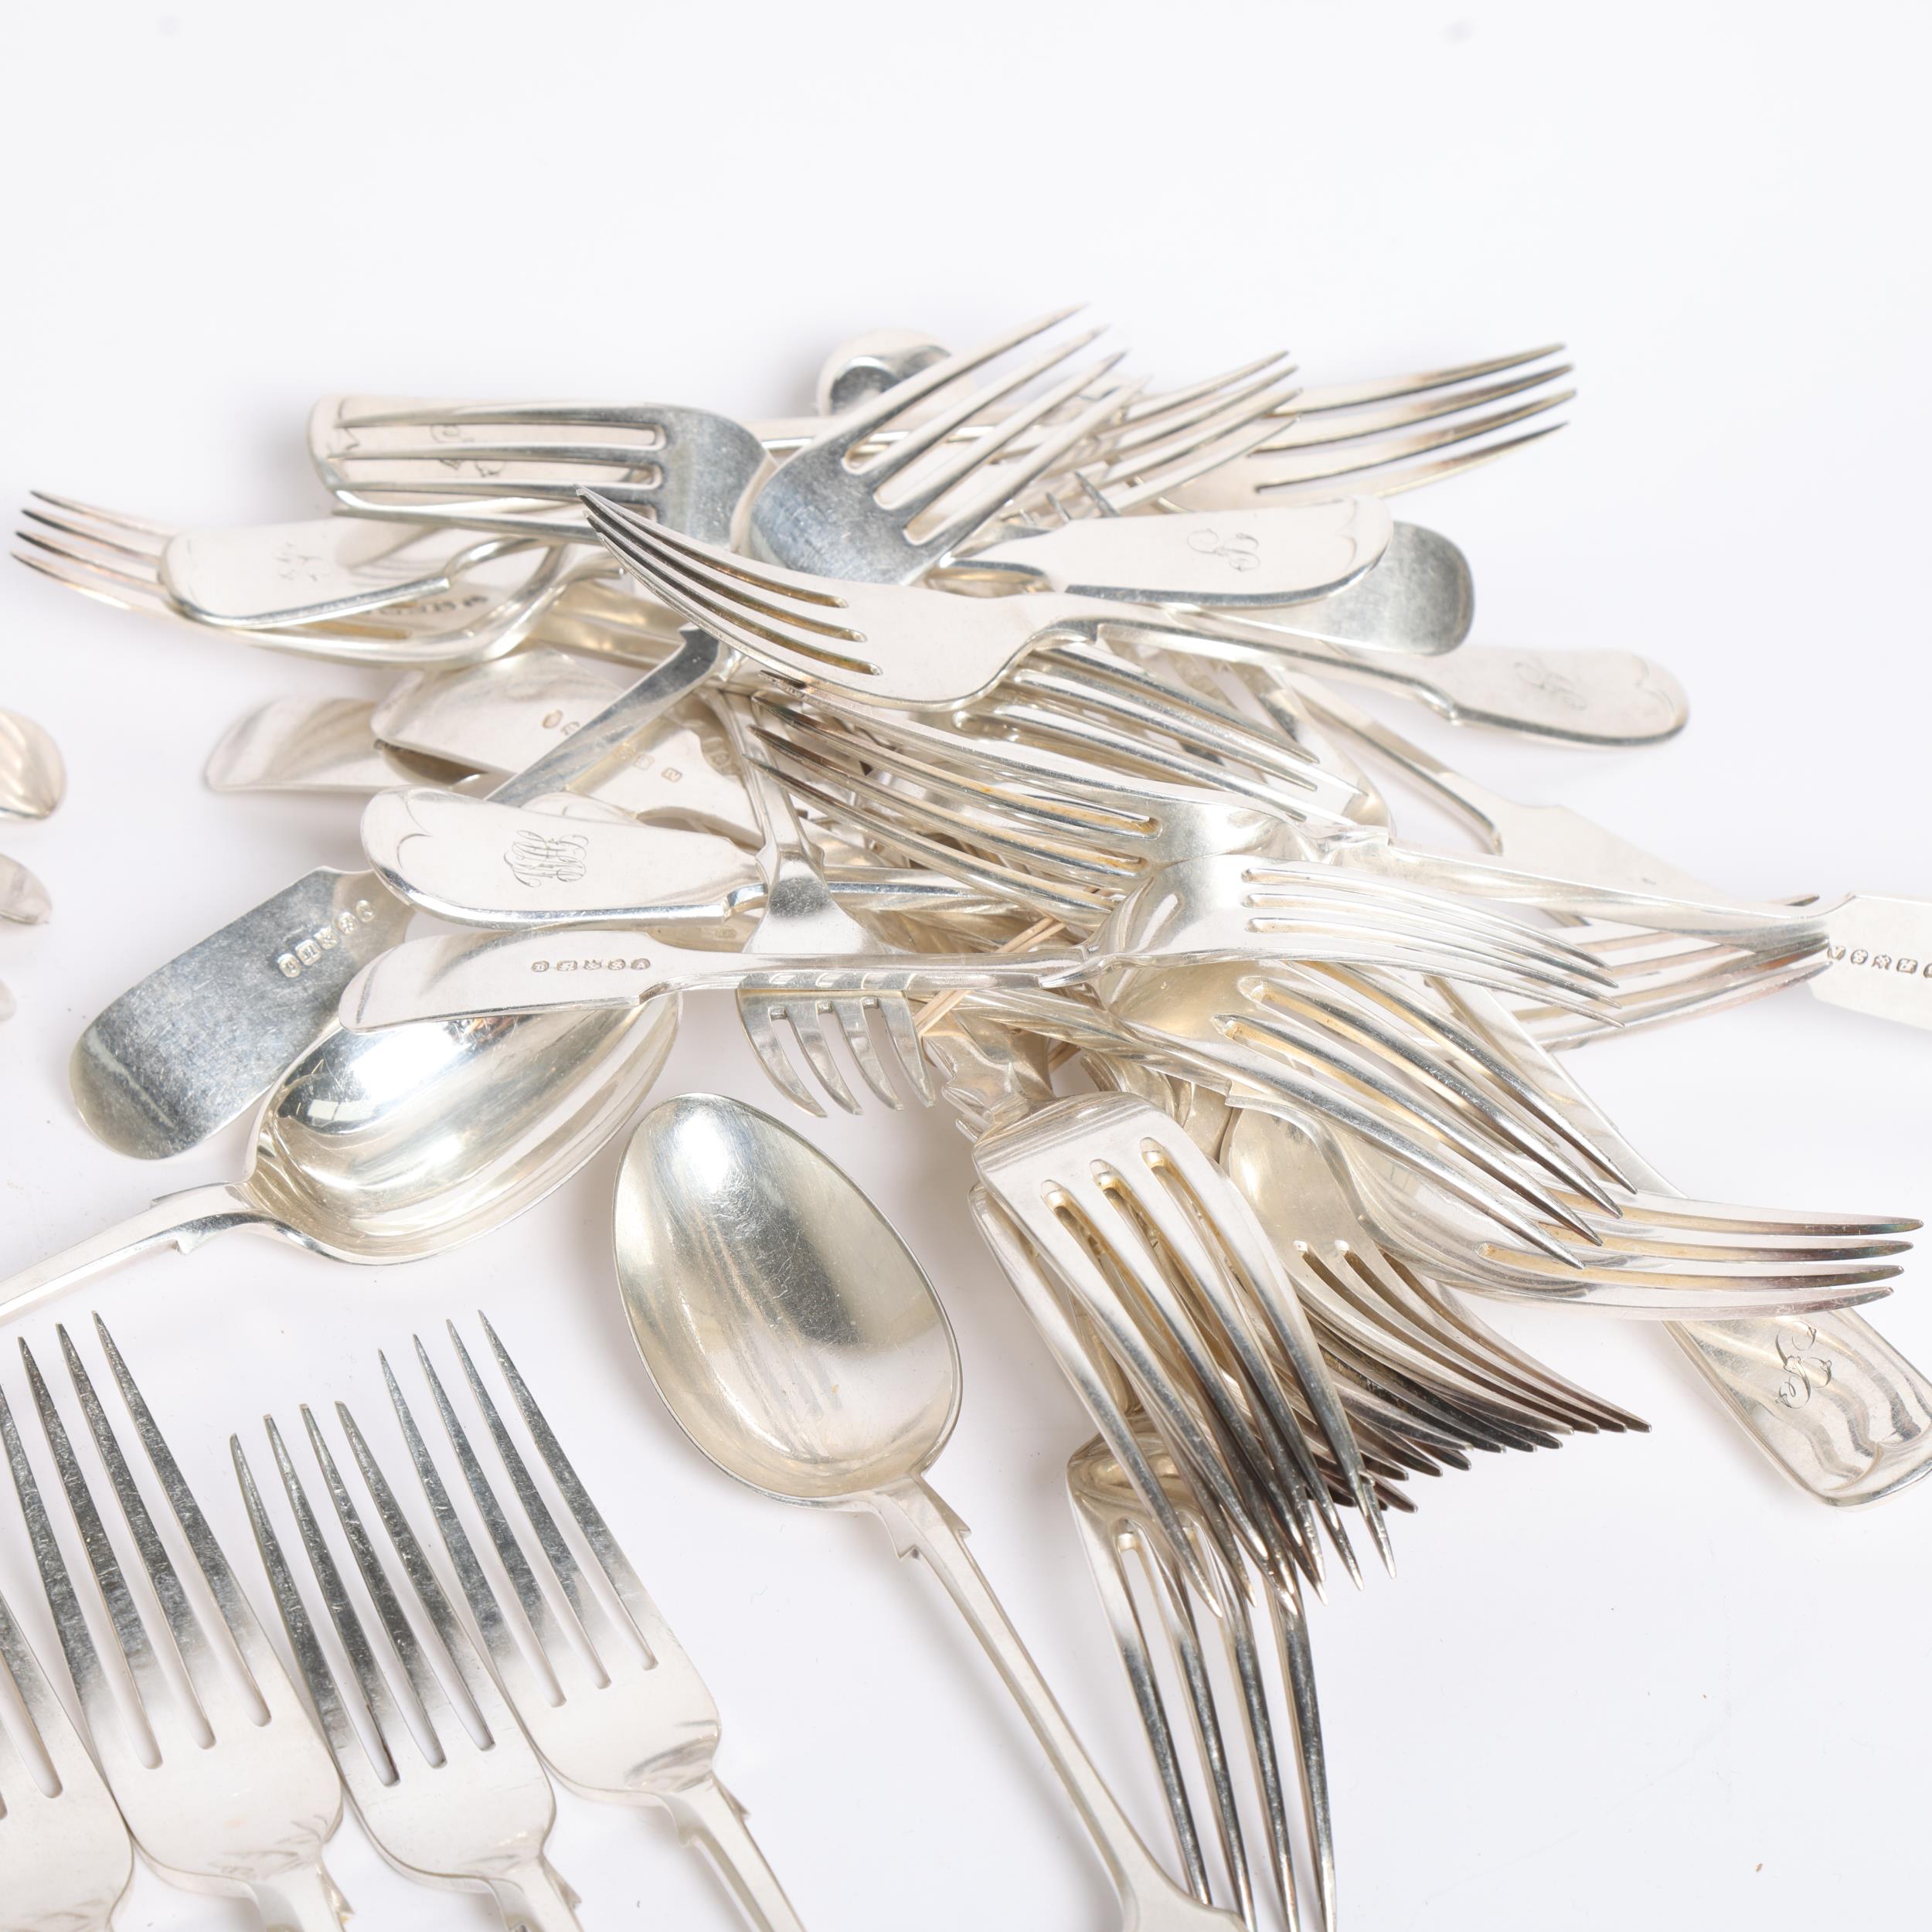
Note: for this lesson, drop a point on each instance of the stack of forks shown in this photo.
(1006, 761)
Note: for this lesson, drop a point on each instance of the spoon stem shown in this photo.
(708, 1816)
(183, 1220)
(922, 1525)
(303, 1898)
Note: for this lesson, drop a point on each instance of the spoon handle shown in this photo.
(922, 1525)
(708, 1816)
(183, 1220)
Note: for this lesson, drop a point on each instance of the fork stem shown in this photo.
(303, 1898)
(534, 1898)
(922, 1525)
(708, 1816)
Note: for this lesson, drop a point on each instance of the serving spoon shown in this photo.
(799, 1346)
(379, 1149)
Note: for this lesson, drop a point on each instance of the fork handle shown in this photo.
(708, 1816)
(534, 1898)
(303, 1898)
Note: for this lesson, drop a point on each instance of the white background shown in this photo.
(1636, 1682)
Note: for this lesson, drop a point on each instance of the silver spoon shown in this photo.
(378, 1157)
(798, 1344)
(23, 899)
(32, 778)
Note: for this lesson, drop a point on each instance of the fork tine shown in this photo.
(1294, 468)
(1155, 418)
(1336, 396)
(895, 457)
(756, 1014)
(1002, 483)
(1106, 1562)
(85, 1664)
(432, 1701)
(115, 519)
(541, 1618)
(851, 1014)
(550, 1539)
(869, 417)
(901, 1030)
(95, 579)
(499, 1639)
(346, 1741)
(133, 552)
(803, 1012)
(1306, 433)
(250, 1643)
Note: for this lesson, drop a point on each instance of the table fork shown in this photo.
(1264, 1637)
(901, 645)
(445, 1807)
(802, 916)
(65, 1857)
(239, 1797)
(618, 1711)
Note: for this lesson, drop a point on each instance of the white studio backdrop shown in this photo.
(1638, 1681)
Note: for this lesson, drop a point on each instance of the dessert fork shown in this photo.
(448, 1809)
(900, 644)
(240, 1797)
(65, 1856)
(618, 1712)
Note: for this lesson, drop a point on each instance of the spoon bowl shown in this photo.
(380, 1149)
(788, 1329)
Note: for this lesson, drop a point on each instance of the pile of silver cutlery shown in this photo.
(990, 738)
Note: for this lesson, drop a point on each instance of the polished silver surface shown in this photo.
(212, 1756)
(385, 1148)
(32, 778)
(799, 1346)
(23, 899)
(901, 645)
(440, 1772)
(191, 1046)
(65, 1856)
(309, 744)
(617, 1710)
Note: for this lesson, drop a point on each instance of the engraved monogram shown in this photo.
(325, 939)
(294, 565)
(1542, 677)
(455, 433)
(1240, 552)
(1805, 1373)
(534, 856)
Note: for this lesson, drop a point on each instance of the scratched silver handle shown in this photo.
(1826, 1397)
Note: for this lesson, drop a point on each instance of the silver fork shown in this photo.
(65, 1856)
(1151, 1249)
(827, 509)
(448, 1808)
(233, 1792)
(801, 916)
(1114, 1528)
(618, 1712)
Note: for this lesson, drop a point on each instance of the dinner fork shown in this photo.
(354, 617)
(1122, 1209)
(1125, 1559)
(800, 915)
(65, 1857)
(618, 1712)
(240, 1796)
(447, 1808)
(900, 644)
